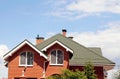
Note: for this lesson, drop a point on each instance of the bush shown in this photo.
(88, 73)
(68, 74)
(54, 77)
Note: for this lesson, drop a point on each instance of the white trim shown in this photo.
(20, 59)
(26, 65)
(22, 44)
(25, 59)
(56, 64)
(68, 49)
(44, 71)
(56, 51)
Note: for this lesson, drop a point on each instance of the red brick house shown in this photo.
(49, 57)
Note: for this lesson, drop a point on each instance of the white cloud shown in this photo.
(50, 33)
(81, 8)
(3, 69)
(108, 39)
(3, 72)
(114, 73)
(111, 74)
(3, 50)
(94, 6)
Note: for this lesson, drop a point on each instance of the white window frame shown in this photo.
(56, 57)
(25, 59)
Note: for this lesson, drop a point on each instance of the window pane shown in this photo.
(59, 57)
(23, 58)
(53, 57)
(29, 58)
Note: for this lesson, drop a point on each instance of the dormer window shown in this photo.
(57, 57)
(26, 59)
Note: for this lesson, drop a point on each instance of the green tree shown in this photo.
(68, 74)
(55, 77)
(89, 71)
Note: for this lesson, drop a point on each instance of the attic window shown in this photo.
(26, 59)
(56, 57)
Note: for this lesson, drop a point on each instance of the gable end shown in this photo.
(68, 49)
(19, 46)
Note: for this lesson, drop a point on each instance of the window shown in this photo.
(26, 59)
(56, 57)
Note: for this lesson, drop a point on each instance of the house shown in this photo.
(49, 57)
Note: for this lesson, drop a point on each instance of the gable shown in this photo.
(59, 43)
(81, 54)
(10, 53)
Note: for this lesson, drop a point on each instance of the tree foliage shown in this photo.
(68, 74)
(87, 73)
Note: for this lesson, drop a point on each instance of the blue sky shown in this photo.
(25, 19)
(91, 22)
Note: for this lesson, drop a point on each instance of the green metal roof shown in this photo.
(81, 54)
(96, 50)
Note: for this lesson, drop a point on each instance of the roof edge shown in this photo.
(93, 64)
(19, 46)
(58, 42)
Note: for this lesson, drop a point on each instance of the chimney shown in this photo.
(39, 39)
(64, 31)
(70, 37)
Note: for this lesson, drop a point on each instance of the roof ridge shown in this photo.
(90, 50)
(73, 45)
(80, 45)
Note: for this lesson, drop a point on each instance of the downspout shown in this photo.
(44, 64)
(44, 71)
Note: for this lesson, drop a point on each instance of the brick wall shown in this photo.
(35, 71)
(55, 69)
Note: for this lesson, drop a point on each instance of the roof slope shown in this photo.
(96, 50)
(81, 54)
(20, 46)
